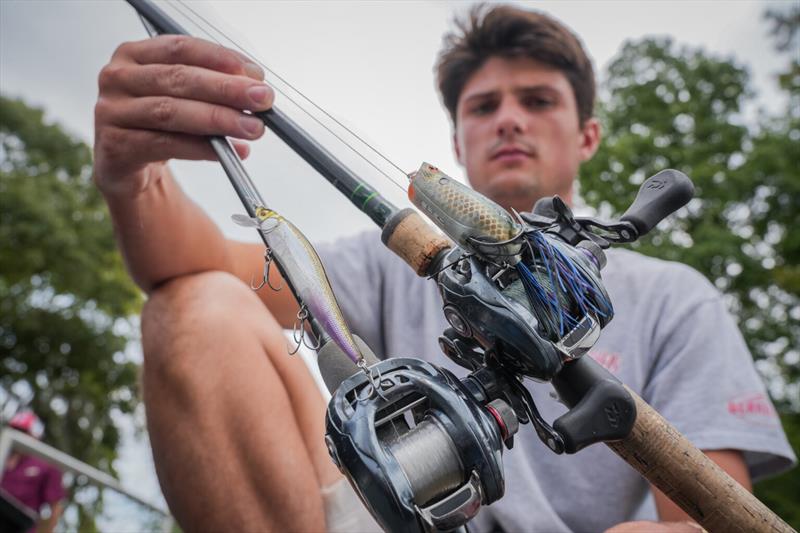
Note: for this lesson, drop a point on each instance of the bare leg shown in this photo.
(235, 423)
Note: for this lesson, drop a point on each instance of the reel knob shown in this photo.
(454, 318)
(506, 419)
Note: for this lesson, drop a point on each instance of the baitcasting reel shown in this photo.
(423, 448)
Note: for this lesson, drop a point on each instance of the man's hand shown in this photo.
(644, 526)
(159, 98)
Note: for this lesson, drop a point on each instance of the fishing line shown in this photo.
(195, 16)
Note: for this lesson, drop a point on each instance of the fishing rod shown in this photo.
(360, 193)
(286, 246)
(404, 231)
(524, 298)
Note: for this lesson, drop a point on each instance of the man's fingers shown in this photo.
(241, 147)
(121, 153)
(195, 83)
(164, 113)
(251, 63)
(185, 50)
(136, 148)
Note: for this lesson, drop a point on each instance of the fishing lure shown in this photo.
(563, 290)
(306, 275)
(476, 223)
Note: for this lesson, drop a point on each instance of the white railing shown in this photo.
(11, 439)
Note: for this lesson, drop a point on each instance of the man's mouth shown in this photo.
(510, 153)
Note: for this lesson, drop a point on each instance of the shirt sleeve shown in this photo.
(704, 382)
(356, 276)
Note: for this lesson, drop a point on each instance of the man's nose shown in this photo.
(510, 121)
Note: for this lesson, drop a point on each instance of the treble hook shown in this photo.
(265, 275)
(299, 332)
(376, 387)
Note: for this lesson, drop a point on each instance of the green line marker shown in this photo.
(370, 197)
(356, 190)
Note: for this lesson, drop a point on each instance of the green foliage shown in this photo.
(780, 493)
(670, 107)
(65, 297)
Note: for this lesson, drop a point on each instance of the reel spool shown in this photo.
(422, 452)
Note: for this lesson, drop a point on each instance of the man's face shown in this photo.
(518, 134)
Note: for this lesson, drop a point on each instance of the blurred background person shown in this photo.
(32, 481)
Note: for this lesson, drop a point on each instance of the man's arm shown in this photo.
(672, 518)
(731, 461)
(159, 99)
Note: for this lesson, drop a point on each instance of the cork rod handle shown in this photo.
(408, 235)
(689, 478)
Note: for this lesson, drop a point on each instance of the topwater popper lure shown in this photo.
(562, 284)
(306, 275)
(473, 221)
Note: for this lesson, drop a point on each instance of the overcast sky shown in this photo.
(369, 63)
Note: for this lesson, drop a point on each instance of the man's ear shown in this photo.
(589, 139)
(457, 149)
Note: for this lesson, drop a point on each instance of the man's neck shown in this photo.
(525, 207)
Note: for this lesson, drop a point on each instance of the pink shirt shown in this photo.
(33, 482)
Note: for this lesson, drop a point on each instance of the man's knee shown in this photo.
(188, 322)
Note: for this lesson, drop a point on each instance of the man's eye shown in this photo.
(484, 108)
(538, 102)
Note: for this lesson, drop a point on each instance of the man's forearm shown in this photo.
(163, 234)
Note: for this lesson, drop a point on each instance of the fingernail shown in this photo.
(258, 93)
(251, 125)
(254, 71)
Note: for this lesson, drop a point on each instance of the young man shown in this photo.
(236, 425)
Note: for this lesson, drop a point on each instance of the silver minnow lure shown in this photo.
(463, 214)
(306, 274)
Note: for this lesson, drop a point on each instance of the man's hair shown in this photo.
(510, 32)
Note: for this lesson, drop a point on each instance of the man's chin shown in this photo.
(513, 190)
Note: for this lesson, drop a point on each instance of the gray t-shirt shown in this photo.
(671, 340)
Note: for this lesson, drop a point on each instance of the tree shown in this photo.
(671, 107)
(65, 297)
(778, 147)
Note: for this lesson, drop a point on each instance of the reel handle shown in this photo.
(660, 195)
(660, 453)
